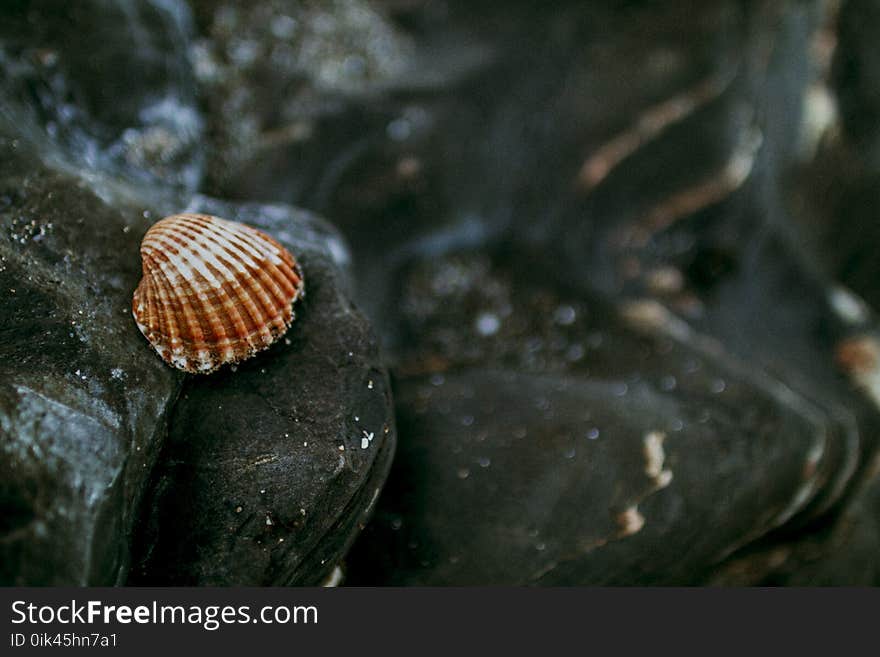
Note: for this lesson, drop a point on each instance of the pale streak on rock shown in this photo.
(652, 316)
(655, 458)
(647, 127)
(820, 116)
(334, 579)
(665, 281)
(805, 491)
(630, 521)
(709, 191)
(265, 460)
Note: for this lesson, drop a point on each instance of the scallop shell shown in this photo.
(213, 291)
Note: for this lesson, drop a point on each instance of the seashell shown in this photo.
(213, 291)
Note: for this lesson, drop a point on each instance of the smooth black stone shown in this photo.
(498, 481)
(845, 551)
(82, 399)
(497, 344)
(856, 77)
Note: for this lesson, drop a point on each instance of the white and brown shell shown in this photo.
(213, 291)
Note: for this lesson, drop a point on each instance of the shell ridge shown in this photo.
(228, 257)
(270, 292)
(183, 259)
(212, 331)
(256, 302)
(162, 320)
(202, 240)
(240, 258)
(258, 242)
(282, 294)
(163, 325)
(261, 312)
(270, 296)
(266, 278)
(226, 295)
(226, 229)
(192, 318)
(178, 314)
(218, 334)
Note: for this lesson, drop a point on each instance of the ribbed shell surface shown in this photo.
(213, 291)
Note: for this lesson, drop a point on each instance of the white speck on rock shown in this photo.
(565, 315)
(487, 324)
(848, 306)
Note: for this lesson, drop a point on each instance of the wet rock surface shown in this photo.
(598, 243)
(574, 483)
(511, 380)
(82, 403)
(843, 552)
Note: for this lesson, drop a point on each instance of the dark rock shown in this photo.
(537, 421)
(272, 468)
(856, 77)
(82, 401)
(504, 478)
(840, 189)
(843, 552)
